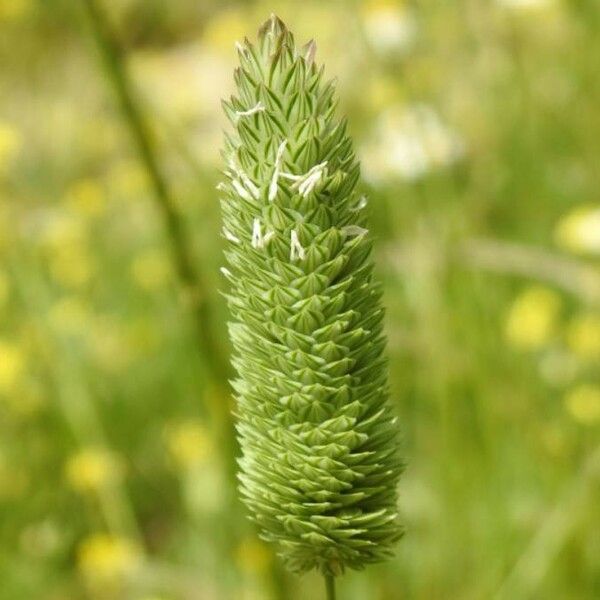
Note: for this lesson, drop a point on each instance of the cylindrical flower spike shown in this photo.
(320, 460)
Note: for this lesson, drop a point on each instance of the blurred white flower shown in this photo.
(527, 4)
(558, 367)
(409, 143)
(579, 230)
(185, 86)
(389, 27)
(175, 81)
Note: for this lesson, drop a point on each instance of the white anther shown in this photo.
(268, 237)
(352, 230)
(273, 184)
(296, 249)
(248, 183)
(221, 187)
(229, 236)
(307, 182)
(260, 107)
(240, 48)
(291, 176)
(362, 203)
(226, 272)
(306, 187)
(240, 189)
(257, 238)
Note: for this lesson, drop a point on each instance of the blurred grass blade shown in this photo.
(534, 563)
(186, 267)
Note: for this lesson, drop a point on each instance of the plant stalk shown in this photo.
(185, 266)
(330, 587)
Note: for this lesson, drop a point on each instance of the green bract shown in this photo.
(320, 445)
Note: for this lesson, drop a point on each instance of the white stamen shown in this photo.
(352, 230)
(308, 185)
(221, 187)
(260, 107)
(273, 184)
(245, 179)
(240, 189)
(240, 48)
(257, 238)
(291, 176)
(250, 185)
(307, 182)
(227, 273)
(362, 203)
(229, 236)
(296, 249)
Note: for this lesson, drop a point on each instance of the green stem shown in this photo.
(330, 586)
(185, 266)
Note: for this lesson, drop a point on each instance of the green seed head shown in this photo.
(320, 460)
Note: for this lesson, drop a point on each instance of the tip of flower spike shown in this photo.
(273, 26)
(309, 51)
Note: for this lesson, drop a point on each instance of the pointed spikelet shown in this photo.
(320, 461)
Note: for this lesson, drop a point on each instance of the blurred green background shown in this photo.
(478, 127)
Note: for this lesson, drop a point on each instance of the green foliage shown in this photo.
(320, 444)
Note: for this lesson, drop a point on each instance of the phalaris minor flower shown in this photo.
(319, 441)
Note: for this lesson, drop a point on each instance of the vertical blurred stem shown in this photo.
(535, 562)
(187, 271)
(330, 587)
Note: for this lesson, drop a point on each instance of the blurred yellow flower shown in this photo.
(253, 556)
(71, 267)
(189, 443)
(583, 335)
(10, 141)
(224, 28)
(389, 26)
(583, 404)
(63, 230)
(14, 9)
(151, 270)
(70, 316)
(106, 558)
(86, 197)
(92, 469)
(531, 320)
(579, 230)
(4, 288)
(12, 366)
